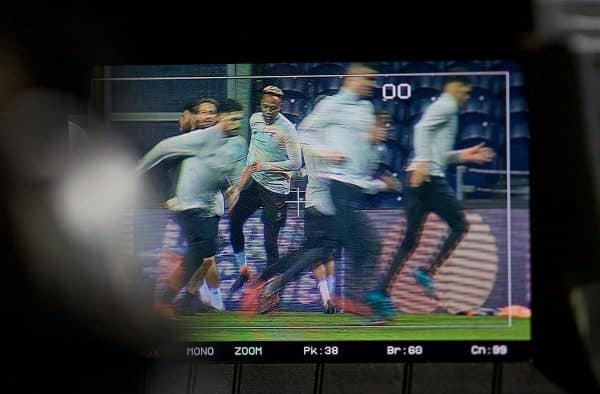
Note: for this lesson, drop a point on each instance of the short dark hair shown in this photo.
(230, 105)
(189, 107)
(464, 79)
(205, 100)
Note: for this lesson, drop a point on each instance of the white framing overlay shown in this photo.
(506, 75)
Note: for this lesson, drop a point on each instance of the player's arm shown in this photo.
(178, 146)
(232, 194)
(237, 180)
(478, 154)
(294, 154)
(376, 185)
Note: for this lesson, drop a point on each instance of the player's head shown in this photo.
(205, 113)
(362, 85)
(270, 104)
(230, 116)
(459, 86)
(186, 118)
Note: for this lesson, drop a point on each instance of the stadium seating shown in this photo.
(396, 108)
(422, 81)
(495, 84)
(516, 73)
(519, 125)
(476, 127)
(482, 101)
(519, 142)
(395, 136)
(295, 103)
(474, 130)
(383, 68)
(406, 135)
(518, 101)
(299, 85)
(470, 65)
(387, 156)
(419, 101)
(327, 85)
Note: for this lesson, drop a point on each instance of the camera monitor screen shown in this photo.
(331, 211)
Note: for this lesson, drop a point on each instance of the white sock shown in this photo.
(324, 291)
(204, 293)
(215, 299)
(331, 283)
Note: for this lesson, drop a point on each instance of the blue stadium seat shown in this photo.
(327, 85)
(519, 154)
(387, 156)
(390, 67)
(431, 94)
(482, 101)
(383, 68)
(427, 82)
(519, 125)
(327, 69)
(400, 65)
(517, 79)
(485, 64)
(416, 108)
(295, 103)
(414, 67)
(282, 69)
(419, 101)
(475, 131)
(395, 107)
(300, 85)
(516, 74)
(518, 100)
(469, 65)
(399, 162)
(519, 141)
(506, 65)
(406, 135)
(422, 81)
(473, 117)
(495, 84)
(481, 180)
(302, 67)
(395, 136)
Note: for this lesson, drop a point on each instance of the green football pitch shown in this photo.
(312, 326)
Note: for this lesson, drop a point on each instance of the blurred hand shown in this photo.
(392, 184)
(172, 204)
(420, 174)
(254, 167)
(379, 134)
(478, 154)
(232, 195)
